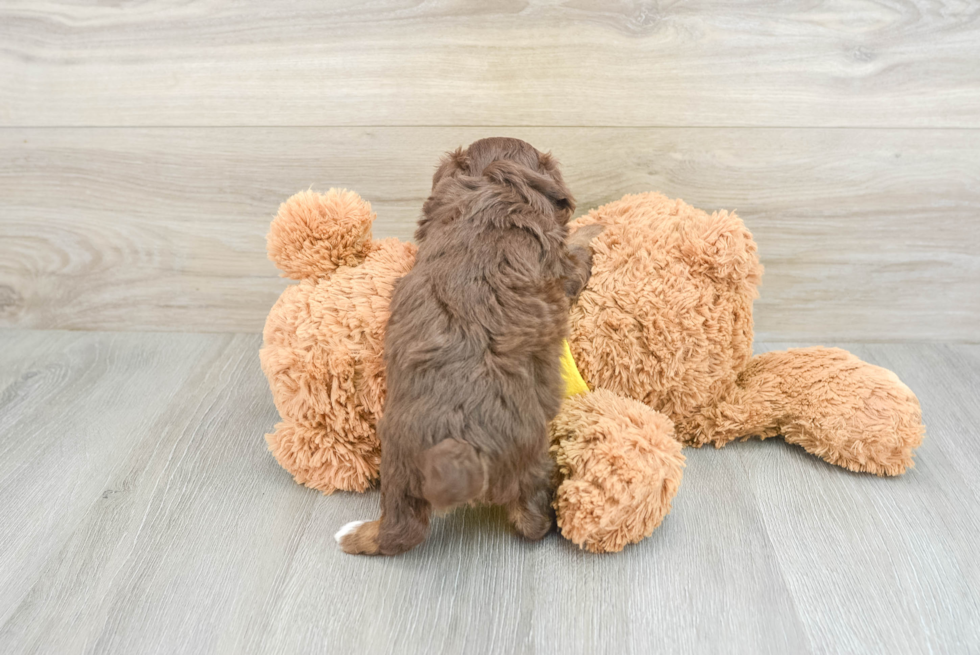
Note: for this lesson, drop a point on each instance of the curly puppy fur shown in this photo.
(473, 345)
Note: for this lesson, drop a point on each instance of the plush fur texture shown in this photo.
(828, 401)
(662, 333)
(619, 467)
(667, 316)
(671, 293)
(323, 339)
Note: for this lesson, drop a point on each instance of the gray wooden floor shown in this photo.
(142, 514)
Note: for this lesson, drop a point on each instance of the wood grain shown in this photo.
(881, 63)
(144, 515)
(586, 62)
(906, 532)
(866, 235)
(75, 410)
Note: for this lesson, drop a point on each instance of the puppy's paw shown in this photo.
(347, 529)
(532, 524)
(359, 537)
(535, 530)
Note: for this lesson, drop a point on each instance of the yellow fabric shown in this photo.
(574, 384)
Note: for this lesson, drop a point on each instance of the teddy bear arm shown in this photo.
(319, 457)
(618, 468)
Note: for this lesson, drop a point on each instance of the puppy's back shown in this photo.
(474, 339)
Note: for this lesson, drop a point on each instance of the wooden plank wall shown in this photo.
(144, 148)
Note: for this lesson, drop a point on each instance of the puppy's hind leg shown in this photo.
(404, 524)
(531, 513)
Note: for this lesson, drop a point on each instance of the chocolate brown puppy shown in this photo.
(473, 344)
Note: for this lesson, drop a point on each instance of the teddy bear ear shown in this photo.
(315, 233)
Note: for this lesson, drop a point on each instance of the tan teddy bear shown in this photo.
(662, 335)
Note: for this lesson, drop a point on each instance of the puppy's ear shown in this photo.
(452, 164)
(442, 206)
(522, 178)
(555, 191)
(549, 164)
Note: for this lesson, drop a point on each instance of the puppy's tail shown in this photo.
(453, 473)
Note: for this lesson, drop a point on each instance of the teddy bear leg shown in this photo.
(618, 469)
(865, 419)
(320, 458)
(845, 411)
